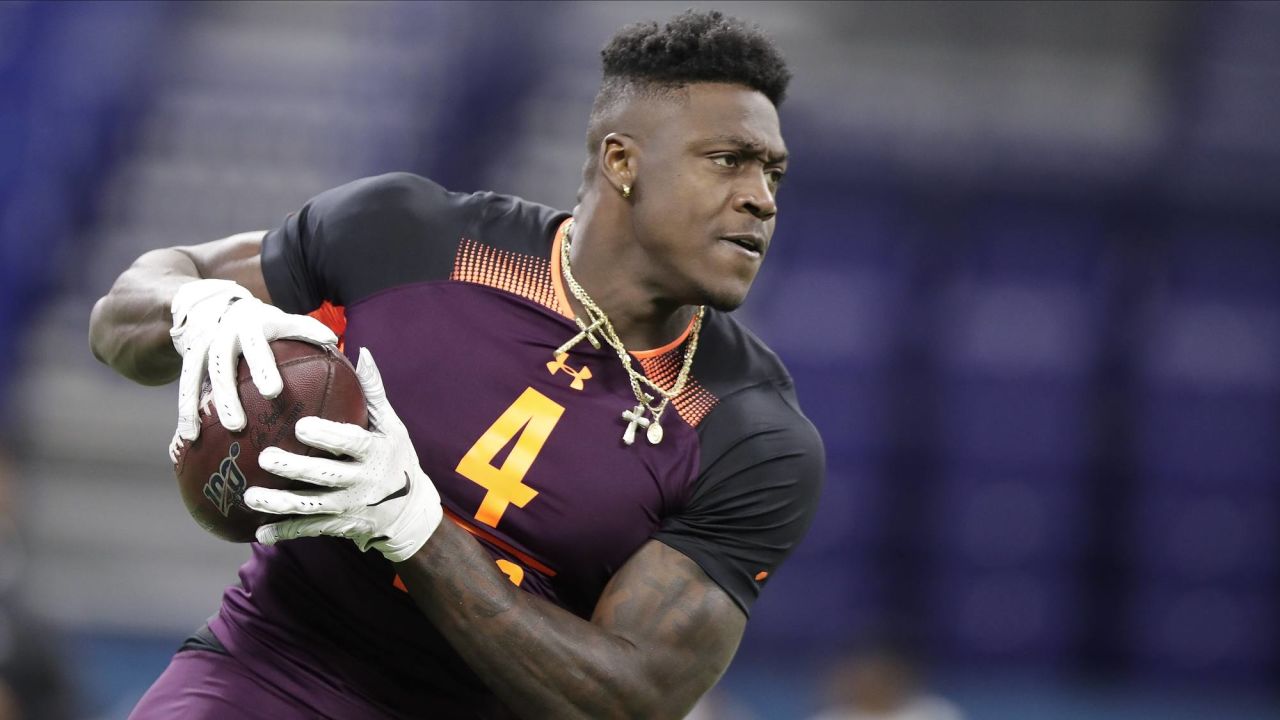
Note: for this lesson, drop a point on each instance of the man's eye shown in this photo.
(726, 160)
(776, 176)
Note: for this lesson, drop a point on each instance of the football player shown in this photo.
(580, 470)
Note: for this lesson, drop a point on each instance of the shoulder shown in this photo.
(394, 197)
(756, 398)
(378, 232)
(755, 441)
(410, 198)
(514, 224)
(404, 201)
(760, 465)
(732, 358)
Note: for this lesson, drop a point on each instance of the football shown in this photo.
(217, 467)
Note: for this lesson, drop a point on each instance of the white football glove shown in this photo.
(214, 322)
(380, 498)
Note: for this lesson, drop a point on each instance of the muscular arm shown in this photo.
(129, 326)
(661, 635)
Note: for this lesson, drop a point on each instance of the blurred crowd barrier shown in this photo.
(1026, 276)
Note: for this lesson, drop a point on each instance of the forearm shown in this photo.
(129, 326)
(541, 660)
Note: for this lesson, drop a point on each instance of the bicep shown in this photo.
(237, 258)
(684, 625)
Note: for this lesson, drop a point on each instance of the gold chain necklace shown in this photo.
(599, 322)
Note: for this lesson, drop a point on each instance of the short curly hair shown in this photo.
(697, 47)
(693, 47)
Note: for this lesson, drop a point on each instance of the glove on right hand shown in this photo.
(214, 322)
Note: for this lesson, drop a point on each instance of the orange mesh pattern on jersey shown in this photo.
(694, 402)
(530, 277)
(524, 275)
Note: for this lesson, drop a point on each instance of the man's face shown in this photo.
(706, 183)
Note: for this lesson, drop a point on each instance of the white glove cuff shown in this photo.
(413, 530)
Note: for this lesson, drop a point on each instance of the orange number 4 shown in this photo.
(531, 417)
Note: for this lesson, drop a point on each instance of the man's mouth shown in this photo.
(752, 244)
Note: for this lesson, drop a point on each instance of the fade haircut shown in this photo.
(647, 61)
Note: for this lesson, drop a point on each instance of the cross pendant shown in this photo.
(588, 331)
(634, 417)
(586, 334)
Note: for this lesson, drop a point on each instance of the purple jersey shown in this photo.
(459, 298)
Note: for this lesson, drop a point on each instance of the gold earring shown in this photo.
(626, 192)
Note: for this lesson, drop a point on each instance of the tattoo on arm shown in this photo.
(662, 632)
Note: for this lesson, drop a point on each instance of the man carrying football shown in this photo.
(580, 470)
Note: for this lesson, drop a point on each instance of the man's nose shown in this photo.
(757, 198)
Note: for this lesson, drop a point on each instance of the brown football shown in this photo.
(214, 470)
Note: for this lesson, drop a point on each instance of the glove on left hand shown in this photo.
(380, 498)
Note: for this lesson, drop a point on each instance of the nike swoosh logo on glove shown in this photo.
(402, 492)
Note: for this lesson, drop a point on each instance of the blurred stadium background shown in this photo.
(1027, 277)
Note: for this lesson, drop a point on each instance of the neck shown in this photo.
(609, 266)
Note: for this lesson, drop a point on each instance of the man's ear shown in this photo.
(618, 160)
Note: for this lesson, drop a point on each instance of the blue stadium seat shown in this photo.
(1003, 617)
(1220, 535)
(1202, 633)
(994, 518)
(1197, 438)
(1038, 424)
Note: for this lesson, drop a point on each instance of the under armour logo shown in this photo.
(226, 487)
(579, 376)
